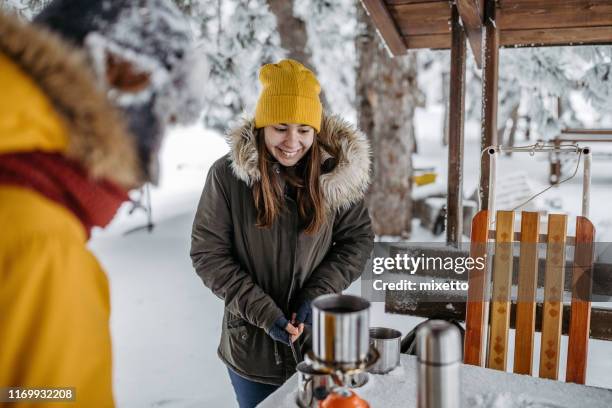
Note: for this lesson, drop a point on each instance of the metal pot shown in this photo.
(387, 342)
(340, 329)
(313, 385)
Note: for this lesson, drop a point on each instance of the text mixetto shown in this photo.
(405, 284)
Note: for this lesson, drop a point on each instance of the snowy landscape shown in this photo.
(166, 324)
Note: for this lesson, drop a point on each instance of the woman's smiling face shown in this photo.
(288, 142)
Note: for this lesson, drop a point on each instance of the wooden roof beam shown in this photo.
(472, 17)
(385, 24)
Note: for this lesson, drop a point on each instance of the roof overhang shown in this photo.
(410, 24)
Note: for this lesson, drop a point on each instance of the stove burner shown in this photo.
(336, 368)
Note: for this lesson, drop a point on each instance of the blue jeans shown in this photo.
(249, 393)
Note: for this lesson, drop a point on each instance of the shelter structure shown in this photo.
(488, 25)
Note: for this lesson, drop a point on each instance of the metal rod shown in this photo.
(586, 181)
(492, 175)
(538, 148)
(149, 207)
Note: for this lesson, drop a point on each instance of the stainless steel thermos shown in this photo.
(439, 355)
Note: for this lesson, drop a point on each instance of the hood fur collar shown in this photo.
(344, 185)
(98, 136)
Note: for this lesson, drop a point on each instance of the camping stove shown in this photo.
(341, 347)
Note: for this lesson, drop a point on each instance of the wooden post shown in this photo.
(454, 199)
(489, 101)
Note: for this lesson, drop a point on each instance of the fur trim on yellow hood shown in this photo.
(97, 134)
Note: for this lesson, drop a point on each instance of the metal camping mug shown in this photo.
(439, 353)
(313, 385)
(340, 329)
(387, 342)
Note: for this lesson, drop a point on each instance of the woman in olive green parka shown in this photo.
(266, 268)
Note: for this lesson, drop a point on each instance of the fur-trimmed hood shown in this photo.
(97, 132)
(342, 186)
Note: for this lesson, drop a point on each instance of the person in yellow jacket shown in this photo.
(87, 90)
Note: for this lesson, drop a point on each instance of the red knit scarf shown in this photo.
(66, 182)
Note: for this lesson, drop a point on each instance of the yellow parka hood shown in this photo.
(51, 102)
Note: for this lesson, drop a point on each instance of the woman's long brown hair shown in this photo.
(269, 198)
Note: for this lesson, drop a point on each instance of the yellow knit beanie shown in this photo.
(290, 94)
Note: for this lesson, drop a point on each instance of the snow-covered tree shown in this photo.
(25, 8)
(538, 88)
(387, 95)
(237, 37)
(596, 81)
(331, 27)
(241, 35)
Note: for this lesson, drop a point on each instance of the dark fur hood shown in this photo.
(344, 185)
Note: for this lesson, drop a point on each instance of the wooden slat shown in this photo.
(556, 36)
(377, 10)
(525, 306)
(422, 18)
(433, 41)
(502, 284)
(553, 297)
(542, 239)
(490, 77)
(543, 14)
(456, 114)
(476, 306)
(397, 2)
(584, 138)
(603, 132)
(602, 271)
(580, 319)
(472, 15)
(601, 318)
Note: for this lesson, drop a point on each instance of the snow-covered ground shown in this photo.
(166, 324)
(479, 388)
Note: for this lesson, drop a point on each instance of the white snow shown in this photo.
(480, 388)
(165, 323)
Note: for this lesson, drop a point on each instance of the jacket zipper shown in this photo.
(295, 242)
(276, 355)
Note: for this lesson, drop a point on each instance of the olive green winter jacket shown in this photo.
(264, 273)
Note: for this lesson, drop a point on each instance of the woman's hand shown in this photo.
(304, 313)
(284, 331)
(294, 331)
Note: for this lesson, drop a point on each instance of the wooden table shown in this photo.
(480, 388)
